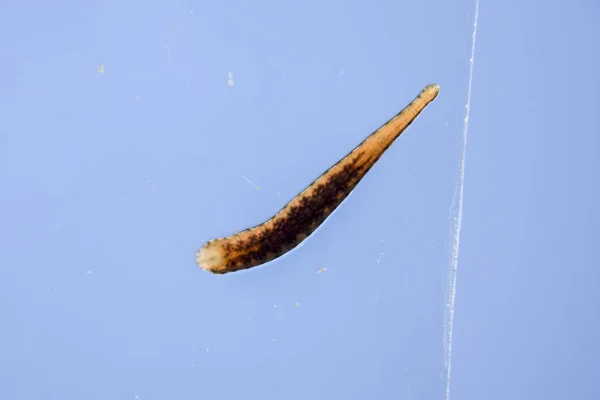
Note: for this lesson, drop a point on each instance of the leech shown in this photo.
(309, 209)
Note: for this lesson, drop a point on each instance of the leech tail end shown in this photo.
(211, 258)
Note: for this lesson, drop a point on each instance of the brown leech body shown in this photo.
(301, 216)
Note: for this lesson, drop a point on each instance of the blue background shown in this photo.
(123, 146)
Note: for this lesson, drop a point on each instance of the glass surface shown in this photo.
(132, 132)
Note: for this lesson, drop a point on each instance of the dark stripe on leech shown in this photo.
(304, 217)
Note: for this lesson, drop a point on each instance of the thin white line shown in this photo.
(458, 224)
(249, 181)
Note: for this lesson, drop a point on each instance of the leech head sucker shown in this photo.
(210, 257)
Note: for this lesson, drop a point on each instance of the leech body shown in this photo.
(309, 209)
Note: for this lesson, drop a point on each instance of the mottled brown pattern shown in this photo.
(309, 209)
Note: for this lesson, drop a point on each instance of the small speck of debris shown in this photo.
(137, 97)
(297, 304)
(277, 193)
(230, 81)
(322, 270)
(274, 305)
(153, 187)
(379, 259)
(100, 69)
(257, 187)
(89, 271)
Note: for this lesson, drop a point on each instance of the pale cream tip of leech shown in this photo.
(209, 257)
